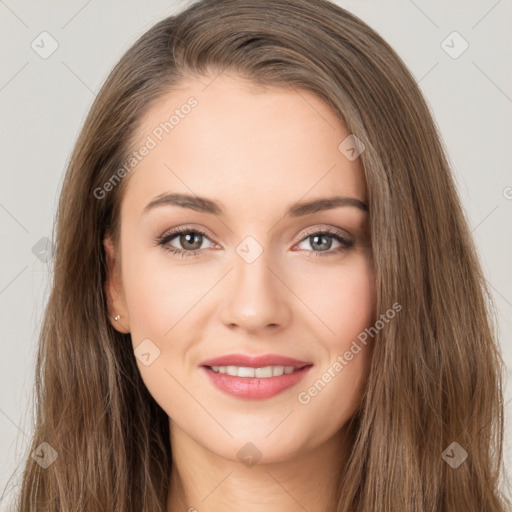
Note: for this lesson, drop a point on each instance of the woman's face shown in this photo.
(246, 276)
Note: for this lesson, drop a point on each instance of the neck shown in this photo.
(202, 481)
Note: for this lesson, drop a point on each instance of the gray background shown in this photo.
(43, 104)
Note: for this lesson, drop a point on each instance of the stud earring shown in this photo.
(116, 318)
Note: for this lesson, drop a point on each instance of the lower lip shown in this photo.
(253, 387)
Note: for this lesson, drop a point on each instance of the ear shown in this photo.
(114, 289)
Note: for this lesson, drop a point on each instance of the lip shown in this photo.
(254, 361)
(255, 388)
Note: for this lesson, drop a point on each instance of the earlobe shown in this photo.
(117, 310)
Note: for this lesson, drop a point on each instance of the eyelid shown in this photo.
(331, 230)
(173, 232)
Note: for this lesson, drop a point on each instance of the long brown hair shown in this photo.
(436, 374)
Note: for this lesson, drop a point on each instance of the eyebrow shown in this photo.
(205, 205)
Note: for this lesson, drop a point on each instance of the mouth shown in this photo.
(255, 378)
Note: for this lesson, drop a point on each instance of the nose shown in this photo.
(257, 299)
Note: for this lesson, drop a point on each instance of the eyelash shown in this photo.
(167, 237)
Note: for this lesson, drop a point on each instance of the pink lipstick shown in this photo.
(254, 377)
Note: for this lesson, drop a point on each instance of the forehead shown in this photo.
(227, 138)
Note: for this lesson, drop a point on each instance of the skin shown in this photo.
(256, 151)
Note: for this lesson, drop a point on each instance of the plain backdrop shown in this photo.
(44, 100)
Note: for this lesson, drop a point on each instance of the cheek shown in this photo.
(160, 294)
(352, 305)
(344, 301)
(342, 298)
(163, 304)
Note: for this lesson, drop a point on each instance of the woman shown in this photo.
(265, 292)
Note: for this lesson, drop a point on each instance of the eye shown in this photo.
(190, 240)
(321, 242)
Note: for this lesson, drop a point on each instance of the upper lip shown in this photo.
(254, 361)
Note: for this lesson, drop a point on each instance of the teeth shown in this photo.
(262, 373)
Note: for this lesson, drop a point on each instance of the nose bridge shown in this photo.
(256, 297)
(252, 276)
